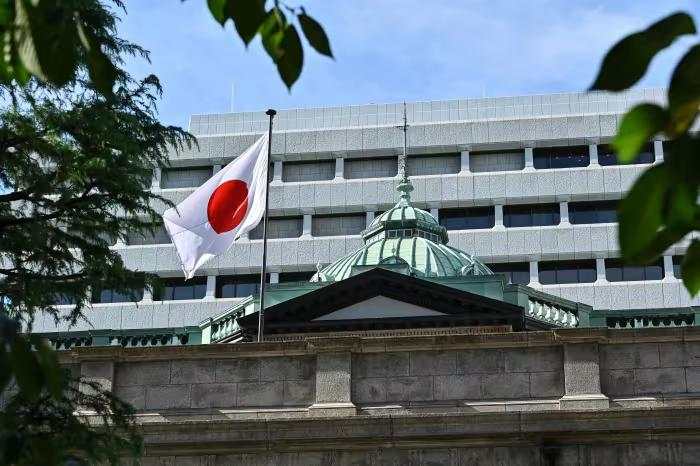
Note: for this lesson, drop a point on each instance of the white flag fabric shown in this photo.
(223, 209)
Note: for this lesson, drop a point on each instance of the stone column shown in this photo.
(306, 226)
(534, 273)
(216, 168)
(593, 154)
(498, 217)
(274, 277)
(668, 268)
(435, 212)
(211, 288)
(369, 218)
(155, 181)
(582, 378)
(658, 151)
(147, 295)
(600, 270)
(333, 382)
(464, 162)
(564, 213)
(529, 160)
(339, 168)
(277, 172)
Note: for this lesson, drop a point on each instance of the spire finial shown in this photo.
(404, 186)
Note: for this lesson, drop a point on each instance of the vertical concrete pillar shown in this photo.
(582, 378)
(534, 273)
(369, 218)
(564, 213)
(333, 384)
(216, 168)
(147, 295)
(600, 270)
(658, 151)
(593, 154)
(498, 216)
(99, 372)
(211, 288)
(435, 212)
(274, 277)
(155, 181)
(306, 226)
(529, 159)
(668, 268)
(339, 167)
(464, 162)
(277, 172)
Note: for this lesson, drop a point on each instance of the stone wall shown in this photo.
(579, 397)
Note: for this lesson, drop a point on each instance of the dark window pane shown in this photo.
(468, 219)
(112, 296)
(607, 155)
(295, 277)
(593, 212)
(178, 288)
(617, 271)
(561, 157)
(677, 261)
(531, 215)
(238, 286)
(61, 299)
(583, 271)
(517, 273)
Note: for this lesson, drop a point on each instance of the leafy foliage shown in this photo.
(662, 206)
(51, 39)
(43, 399)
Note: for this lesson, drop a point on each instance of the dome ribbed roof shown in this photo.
(409, 238)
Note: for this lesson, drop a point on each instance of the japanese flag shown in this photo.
(223, 209)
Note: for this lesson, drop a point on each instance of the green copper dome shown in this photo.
(407, 238)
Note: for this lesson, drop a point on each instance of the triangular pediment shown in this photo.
(379, 307)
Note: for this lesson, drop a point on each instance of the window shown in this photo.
(159, 236)
(593, 212)
(187, 177)
(238, 286)
(467, 219)
(607, 156)
(174, 289)
(112, 296)
(308, 171)
(495, 161)
(61, 299)
(338, 225)
(560, 272)
(616, 271)
(288, 277)
(677, 261)
(382, 167)
(280, 227)
(434, 164)
(517, 273)
(561, 157)
(531, 215)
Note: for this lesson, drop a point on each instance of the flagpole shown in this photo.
(271, 113)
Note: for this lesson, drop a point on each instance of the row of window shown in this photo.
(584, 271)
(420, 165)
(549, 273)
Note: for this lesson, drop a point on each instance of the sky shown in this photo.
(391, 51)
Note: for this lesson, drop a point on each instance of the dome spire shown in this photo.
(405, 187)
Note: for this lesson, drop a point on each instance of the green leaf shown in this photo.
(5, 369)
(627, 61)
(638, 125)
(50, 368)
(291, 62)
(102, 71)
(247, 16)
(641, 212)
(272, 33)
(684, 91)
(26, 369)
(46, 45)
(690, 268)
(315, 35)
(218, 10)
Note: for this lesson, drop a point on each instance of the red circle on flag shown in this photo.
(228, 205)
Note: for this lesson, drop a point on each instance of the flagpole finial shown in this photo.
(271, 112)
(404, 186)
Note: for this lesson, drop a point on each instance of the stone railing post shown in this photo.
(333, 377)
(582, 378)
